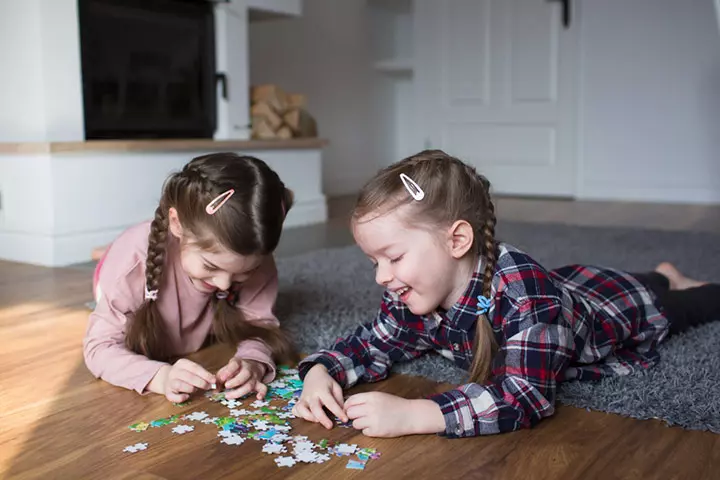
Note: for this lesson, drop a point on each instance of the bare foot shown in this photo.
(678, 281)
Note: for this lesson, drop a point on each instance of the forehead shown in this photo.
(376, 232)
(229, 261)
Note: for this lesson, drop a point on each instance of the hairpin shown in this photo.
(483, 304)
(221, 294)
(219, 201)
(413, 188)
(150, 294)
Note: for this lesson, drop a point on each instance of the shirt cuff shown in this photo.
(271, 369)
(458, 411)
(333, 365)
(151, 369)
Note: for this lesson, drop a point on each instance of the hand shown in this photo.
(178, 381)
(380, 414)
(320, 389)
(244, 376)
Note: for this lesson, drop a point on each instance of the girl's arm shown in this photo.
(538, 346)
(257, 299)
(370, 352)
(121, 284)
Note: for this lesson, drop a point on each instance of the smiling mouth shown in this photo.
(404, 293)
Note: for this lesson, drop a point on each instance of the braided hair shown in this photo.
(453, 191)
(249, 223)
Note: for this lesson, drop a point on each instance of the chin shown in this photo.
(421, 310)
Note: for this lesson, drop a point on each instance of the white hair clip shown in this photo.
(218, 202)
(150, 294)
(413, 188)
(221, 295)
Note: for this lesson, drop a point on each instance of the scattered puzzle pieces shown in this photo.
(139, 427)
(274, 448)
(355, 465)
(196, 416)
(285, 461)
(136, 448)
(233, 439)
(266, 423)
(183, 429)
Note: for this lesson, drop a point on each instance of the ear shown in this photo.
(174, 223)
(461, 238)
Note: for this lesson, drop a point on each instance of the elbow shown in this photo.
(90, 355)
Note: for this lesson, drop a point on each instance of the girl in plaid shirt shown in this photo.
(428, 225)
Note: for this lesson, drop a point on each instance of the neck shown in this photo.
(465, 271)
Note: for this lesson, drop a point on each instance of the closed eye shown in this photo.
(210, 268)
(396, 259)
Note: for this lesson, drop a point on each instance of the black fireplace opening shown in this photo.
(148, 68)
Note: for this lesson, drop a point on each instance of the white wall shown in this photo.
(650, 113)
(326, 54)
(22, 107)
(40, 81)
(57, 207)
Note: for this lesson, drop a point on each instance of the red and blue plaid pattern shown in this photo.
(576, 322)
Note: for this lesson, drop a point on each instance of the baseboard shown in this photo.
(699, 196)
(307, 212)
(36, 249)
(59, 251)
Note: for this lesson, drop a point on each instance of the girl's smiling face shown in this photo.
(423, 266)
(211, 270)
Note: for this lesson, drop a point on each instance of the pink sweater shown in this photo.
(187, 311)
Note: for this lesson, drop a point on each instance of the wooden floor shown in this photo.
(57, 421)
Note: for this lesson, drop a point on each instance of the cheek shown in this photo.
(193, 268)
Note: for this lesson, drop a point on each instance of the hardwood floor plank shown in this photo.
(60, 422)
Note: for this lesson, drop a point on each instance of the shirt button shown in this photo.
(456, 347)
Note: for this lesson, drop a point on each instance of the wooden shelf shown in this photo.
(162, 145)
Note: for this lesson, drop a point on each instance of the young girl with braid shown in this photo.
(428, 225)
(203, 267)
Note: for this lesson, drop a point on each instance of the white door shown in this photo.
(495, 85)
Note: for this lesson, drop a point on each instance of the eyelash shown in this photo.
(209, 268)
(392, 260)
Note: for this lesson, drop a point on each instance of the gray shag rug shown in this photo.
(325, 294)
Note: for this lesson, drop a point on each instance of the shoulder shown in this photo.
(133, 239)
(126, 255)
(520, 276)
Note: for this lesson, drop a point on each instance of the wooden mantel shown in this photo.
(160, 145)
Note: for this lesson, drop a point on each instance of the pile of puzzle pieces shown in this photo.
(264, 422)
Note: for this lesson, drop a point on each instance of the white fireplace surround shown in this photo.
(60, 196)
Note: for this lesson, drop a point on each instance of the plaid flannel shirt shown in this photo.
(576, 322)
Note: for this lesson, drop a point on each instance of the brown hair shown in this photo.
(453, 191)
(249, 223)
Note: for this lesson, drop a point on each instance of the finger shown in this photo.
(177, 397)
(197, 370)
(192, 379)
(320, 416)
(228, 371)
(179, 386)
(354, 400)
(240, 378)
(356, 411)
(303, 411)
(334, 407)
(368, 432)
(361, 423)
(261, 389)
(241, 391)
(337, 393)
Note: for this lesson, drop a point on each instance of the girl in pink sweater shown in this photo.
(202, 267)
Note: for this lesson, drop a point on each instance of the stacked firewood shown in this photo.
(279, 115)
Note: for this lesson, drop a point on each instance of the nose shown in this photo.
(383, 276)
(223, 281)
